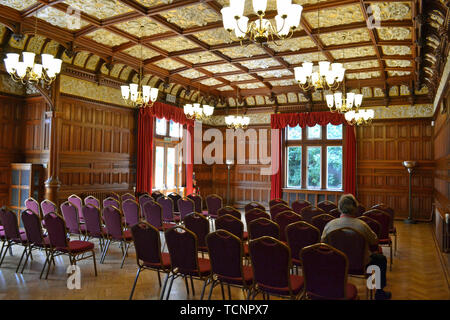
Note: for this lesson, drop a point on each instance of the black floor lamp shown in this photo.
(229, 164)
(409, 165)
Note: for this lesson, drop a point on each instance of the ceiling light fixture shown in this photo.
(261, 30)
(360, 117)
(342, 105)
(198, 112)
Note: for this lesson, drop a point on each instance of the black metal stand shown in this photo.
(410, 220)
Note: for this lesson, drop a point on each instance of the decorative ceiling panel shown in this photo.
(363, 75)
(107, 38)
(214, 36)
(394, 33)
(18, 4)
(153, 3)
(80, 58)
(100, 9)
(398, 63)
(226, 88)
(260, 63)
(275, 73)
(353, 52)
(392, 10)
(292, 44)
(343, 37)
(221, 68)
(255, 85)
(36, 44)
(335, 16)
(145, 54)
(299, 58)
(398, 73)
(211, 82)
(92, 62)
(169, 64)
(361, 64)
(200, 57)
(18, 43)
(174, 44)
(191, 16)
(239, 52)
(282, 83)
(191, 74)
(51, 47)
(116, 70)
(396, 50)
(61, 19)
(142, 27)
(238, 77)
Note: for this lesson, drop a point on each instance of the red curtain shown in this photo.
(281, 121)
(160, 110)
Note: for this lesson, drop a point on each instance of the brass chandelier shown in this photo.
(198, 112)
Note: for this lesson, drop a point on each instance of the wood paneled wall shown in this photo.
(381, 176)
(96, 147)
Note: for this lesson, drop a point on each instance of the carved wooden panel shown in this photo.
(381, 177)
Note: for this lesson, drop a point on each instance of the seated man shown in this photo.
(348, 207)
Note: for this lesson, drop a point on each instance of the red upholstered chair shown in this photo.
(199, 225)
(226, 253)
(130, 209)
(114, 195)
(94, 224)
(213, 204)
(353, 244)
(183, 251)
(321, 221)
(115, 232)
(360, 210)
(255, 214)
(198, 201)
(263, 227)
(384, 239)
(152, 213)
(326, 206)
(147, 243)
(156, 195)
(175, 197)
(142, 200)
(72, 219)
(335, 213)
(92, 201)
(376, 227)
(392, 229)
(283, 219)
(78, 203)
(127, 196)
(186, 206)
(272, 276)
(274, 202)
(76, 250)
(325, 270)
(48, 206)
(276, 209)
(167, 210)
(298, 205)
(11, 234)
(309, 212)
(229, 210)
(299, 235)
(253, 205)
(110, 201)
(33, 205)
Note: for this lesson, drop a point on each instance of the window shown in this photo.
(314, 157)
(167, 168)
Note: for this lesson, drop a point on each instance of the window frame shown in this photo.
(323, 142)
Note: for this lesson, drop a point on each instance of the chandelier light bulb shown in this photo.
(259, 6)
(283, 7)
(238, 7)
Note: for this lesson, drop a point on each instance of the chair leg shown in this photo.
(49, 264)
(192, 285)
(159, 278)
(204, 287)
(6, 251)
(170, 287)
(1, 250)
(391, 262)
(164, 286)
(213, 284)
(26, 260)
(95, 263)
(125, 251)
(395, 235)
(45, 263)
(186, 284)
(21, 258)
(108, 242)
(229, 292)
(221, 288)
(134, 284)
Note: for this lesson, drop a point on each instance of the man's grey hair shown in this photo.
(348, 204)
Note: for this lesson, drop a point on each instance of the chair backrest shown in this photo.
(33, 227)
(387, 209)
(92, 201)
(276, 209)
(225, 253)
(147, 243)
(298, 205)
(273, 272)
(156, 195)
(213, 203)
(199, 225)
(167, 208)
(114, 196)
(113, 222)
(321, 221)
(360, 210)
(175, 197)
(77, 202)
(130, 209)
(10, 224)
(299, 235)
(185, 207)
(56, 230)
(92, 220)
(33, 205)
(253, 205)
(48, 206)
(229, 210)
(198, 201)
(71, 216)
(231, 224)
(263, 227)
(383, 218)
(183, 251)
(152, 213)
(325, 271)
(326, 206)
(142, 200)
(283, 219)
(110, 201)
(274, 202)
(127, 196)
(372, 223)
(353, 244)
(309, 212)
(335, 213)
(255, 214)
